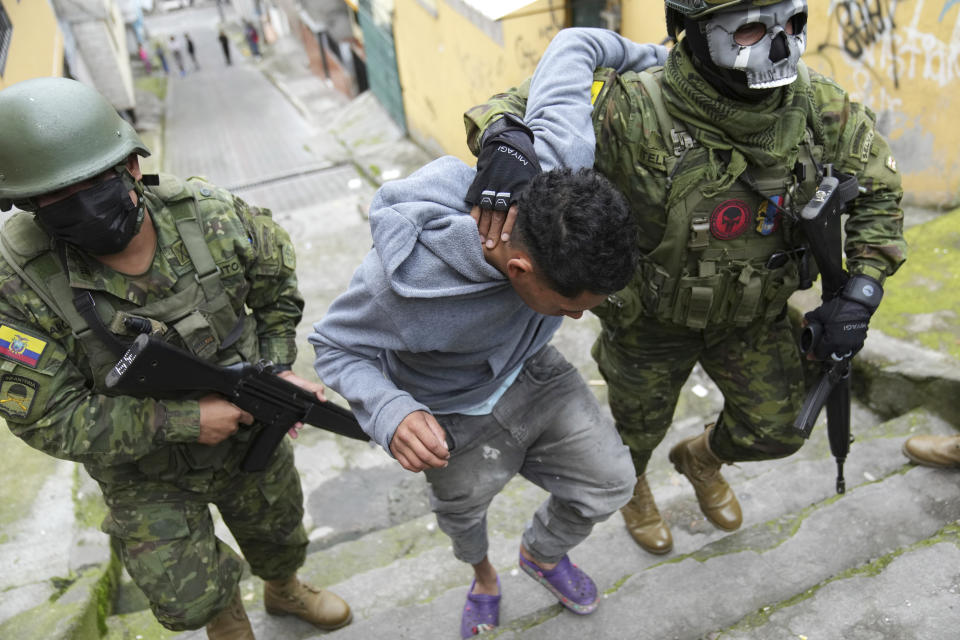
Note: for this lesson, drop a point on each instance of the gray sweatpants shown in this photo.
(549, 428)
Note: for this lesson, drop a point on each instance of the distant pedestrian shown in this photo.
(191, 51)
(158, 50)
(176, 48)
(145, 59)
(253, 38)
(225, 45)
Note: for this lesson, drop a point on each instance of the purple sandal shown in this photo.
(571, 586)
(480, 613)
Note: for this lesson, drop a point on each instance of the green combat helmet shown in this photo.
(55, 132)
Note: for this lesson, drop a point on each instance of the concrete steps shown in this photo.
(798, 538)
(796, 535)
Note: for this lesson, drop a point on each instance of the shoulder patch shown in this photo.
(16, 395)
(20, 347)
(595, 90)
(866, 145)
(288, 257)
(861, 143)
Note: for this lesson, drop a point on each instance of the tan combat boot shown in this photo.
(942, 452)
(231, 623)
(693, 458)
(321, 608)
(644, 522)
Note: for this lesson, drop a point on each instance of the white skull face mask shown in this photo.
(764, 42)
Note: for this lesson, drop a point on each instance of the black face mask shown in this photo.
(100, 220)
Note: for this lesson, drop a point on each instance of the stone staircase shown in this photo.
(879, 561)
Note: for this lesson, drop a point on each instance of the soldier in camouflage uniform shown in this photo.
(99, 254)
(717, 151)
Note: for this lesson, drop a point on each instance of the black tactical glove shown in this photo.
(837, 328)
(505, 165)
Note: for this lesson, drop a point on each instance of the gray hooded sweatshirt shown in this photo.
(427, 323)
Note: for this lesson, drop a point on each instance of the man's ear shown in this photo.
(133, 166)
(519, 265)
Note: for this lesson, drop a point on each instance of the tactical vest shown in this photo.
(730, 259)
(198, 316)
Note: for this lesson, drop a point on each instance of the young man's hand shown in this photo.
(315, 387)
(420, 443)
(494, 226)
(506, 163)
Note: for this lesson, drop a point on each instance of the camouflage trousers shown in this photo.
(757, 368)
(165, 535)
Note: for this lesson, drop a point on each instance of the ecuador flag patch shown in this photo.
(20, 347)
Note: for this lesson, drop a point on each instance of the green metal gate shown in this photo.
(381, 57)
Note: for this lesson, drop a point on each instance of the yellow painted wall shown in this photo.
(447, 65)
(903, 62)
(36, 49)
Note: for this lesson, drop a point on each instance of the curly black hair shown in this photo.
(578, 230)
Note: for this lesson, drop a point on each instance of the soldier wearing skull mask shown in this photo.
(717, 152)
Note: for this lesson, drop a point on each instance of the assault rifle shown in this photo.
(820, 222)
(154, 368)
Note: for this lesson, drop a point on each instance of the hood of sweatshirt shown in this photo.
(427, 243)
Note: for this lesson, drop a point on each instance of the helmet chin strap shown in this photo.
(731, 83)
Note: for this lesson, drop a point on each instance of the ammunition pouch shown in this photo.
(737, 294)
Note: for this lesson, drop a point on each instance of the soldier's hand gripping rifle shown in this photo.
(154, 368)
(835, 330)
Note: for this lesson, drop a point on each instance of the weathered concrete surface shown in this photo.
(371, 538)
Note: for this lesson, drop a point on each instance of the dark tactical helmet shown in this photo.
(695, 9)
(768, 59)
(55, 132)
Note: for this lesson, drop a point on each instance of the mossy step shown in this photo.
(76, 613)
(908, 593)
(777, 505)
(772, 498)
(700, 594)
(411, 563)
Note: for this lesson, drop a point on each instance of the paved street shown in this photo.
(233, 126)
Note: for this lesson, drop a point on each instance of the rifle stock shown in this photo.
(153, 368)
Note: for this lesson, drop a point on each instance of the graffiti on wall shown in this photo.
(527, 50)
(895, 41)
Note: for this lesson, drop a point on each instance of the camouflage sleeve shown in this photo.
(630, 150)
(478, 118)
(47, 401)
(874, 243)
(270, 265)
